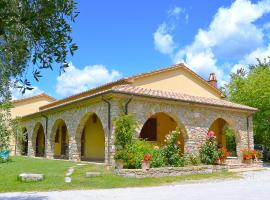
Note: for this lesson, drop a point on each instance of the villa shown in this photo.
(80, 127)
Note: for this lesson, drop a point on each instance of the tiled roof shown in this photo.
(128, 89)
(34, 97)
(122, 81)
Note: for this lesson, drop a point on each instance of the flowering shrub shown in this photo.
(147, 157)
(223, 154)
(248, 154)
(209, 152)
(171, 150)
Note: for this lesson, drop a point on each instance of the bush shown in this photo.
(192, 159)
(158, 159)
(125, 126)
(171, 150)
(135, 153)
(209, 152)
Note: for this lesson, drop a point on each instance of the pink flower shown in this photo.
(211, 134)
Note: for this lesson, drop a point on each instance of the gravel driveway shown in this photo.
(255, 185)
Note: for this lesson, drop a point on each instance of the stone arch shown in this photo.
(90, 138)
(38, 140)
(59, 140)
(159, 124)
(218, 125)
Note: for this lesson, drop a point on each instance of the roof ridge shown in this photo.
(43, 94)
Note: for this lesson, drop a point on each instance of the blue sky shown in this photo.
(120, 38)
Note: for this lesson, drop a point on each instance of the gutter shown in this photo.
(126, 105)
(109, 127)
(139, 95)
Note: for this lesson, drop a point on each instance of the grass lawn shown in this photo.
(55, 171)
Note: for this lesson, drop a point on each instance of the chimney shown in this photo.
(212, 79)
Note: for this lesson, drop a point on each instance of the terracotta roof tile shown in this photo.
(180, 96)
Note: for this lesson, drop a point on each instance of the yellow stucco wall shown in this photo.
(178, 80)
(57, 146)
(26, 107)
(217, 127)
(94, 140)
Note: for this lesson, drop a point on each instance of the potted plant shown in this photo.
(223, 154)
(248, 155)
(119, 159)
(146, 162)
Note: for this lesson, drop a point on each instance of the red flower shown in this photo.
(248, 154)
(147, 157)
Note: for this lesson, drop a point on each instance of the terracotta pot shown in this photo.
(119, 164)
(145, 165)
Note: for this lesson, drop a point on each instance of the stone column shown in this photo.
(196, 137)
(74, 153)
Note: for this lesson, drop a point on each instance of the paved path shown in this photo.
(255, 186)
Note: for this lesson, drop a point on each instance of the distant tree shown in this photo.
(33, 33)
(253, 88)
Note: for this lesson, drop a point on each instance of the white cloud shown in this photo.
(163, 40)
(17, 93)
(231, 35)
(76, 80)
(175, 12)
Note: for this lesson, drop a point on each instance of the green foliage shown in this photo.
(135, 153)
(253, 89)
(230, 140)
(209, 153)
(171, 149)
(125, 126)
(192, 159)
(158, 159)
(36, 32)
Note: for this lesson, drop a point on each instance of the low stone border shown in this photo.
(30, 177)
(180, 171)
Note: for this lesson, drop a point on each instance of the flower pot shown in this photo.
(145, 165)
(119, 164)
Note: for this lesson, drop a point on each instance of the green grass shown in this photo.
(55, 170)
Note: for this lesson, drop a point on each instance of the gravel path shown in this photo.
(255, 185)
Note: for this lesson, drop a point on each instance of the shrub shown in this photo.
(157, 157)
(125, 126)
(192, 159)
(209, 152)
(171, 150)
(135, 153)
(223, 154)
(248, 154)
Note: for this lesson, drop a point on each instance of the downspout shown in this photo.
(46, 130)
(109, 127)
(126, 105)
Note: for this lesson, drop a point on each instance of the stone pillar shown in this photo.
(49, 149)
(196, 137)
(30, 150)
(74, 153)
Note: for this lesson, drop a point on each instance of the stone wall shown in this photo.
(182, 171)
(194, 121)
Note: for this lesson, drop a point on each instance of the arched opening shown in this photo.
(24, 142)
(91, 139)
(39, 141)
(225, 135)
(60, 140)
(158, 126)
